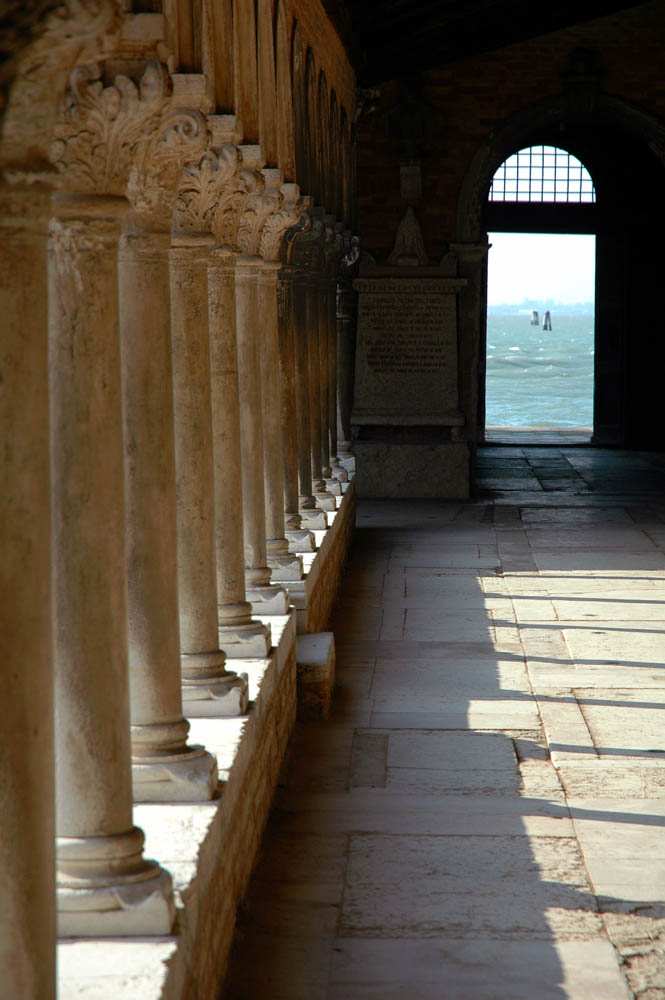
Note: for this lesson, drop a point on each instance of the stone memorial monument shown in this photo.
(407, 426)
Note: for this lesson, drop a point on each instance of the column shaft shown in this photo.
(239, 634)
(27, 857)
(311, 516)
(208, 688)
(265, 598)
(284, 566)
(323, 499)
(338, 471)
(299, 539)
(104, 884)
(164, 766)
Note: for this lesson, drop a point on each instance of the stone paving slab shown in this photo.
(483, 969)
(482, 816)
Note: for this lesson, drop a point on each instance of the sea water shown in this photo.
(536, 377)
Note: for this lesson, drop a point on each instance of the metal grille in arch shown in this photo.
(542, 174)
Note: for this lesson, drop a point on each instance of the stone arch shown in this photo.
(517, 131)
(345, 167)
(313, 137)
(285, 137)
(267, 80)
(336, 205)
(326, 182)
(299, 108)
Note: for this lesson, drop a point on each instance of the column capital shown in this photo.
(210, 193)
(127, 138)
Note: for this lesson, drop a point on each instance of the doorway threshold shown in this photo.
(579, 436)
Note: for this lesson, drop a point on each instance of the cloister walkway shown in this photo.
(481, 817)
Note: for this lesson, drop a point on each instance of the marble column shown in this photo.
(164, 766)
(265, 597)
(298, 537)
(346, 342)
(338, 470)
(239, 634)
(311, 516)
(332, 485)
(207, 687)
(27, 856)
(104, 884)
(323, 499)
(284, 565)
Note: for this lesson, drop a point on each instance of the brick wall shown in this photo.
(477, 95)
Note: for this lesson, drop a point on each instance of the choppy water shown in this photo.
(538, 378)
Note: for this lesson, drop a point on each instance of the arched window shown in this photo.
(541, 174)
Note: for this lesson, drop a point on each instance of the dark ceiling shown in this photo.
(387, 39)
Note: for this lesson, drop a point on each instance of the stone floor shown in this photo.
(481, 818)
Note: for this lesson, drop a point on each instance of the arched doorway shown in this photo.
(538, 376)
(624, 151)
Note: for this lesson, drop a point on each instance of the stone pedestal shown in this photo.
(315, 656)
(285, 566)
(266, 598)
(239, 634)
(104, 885)
(164, 767)
(407, 425)
(27, 905)
(208, 688)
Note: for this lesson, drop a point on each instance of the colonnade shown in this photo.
(168, 417)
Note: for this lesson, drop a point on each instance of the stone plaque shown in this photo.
(406, 357)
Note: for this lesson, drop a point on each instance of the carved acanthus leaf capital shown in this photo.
(202, 190)
(279, 224)
(263, 200)
(181, 135)
(103, 128)
(75, 31)
(308, 245)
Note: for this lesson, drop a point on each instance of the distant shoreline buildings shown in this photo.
(529, 306)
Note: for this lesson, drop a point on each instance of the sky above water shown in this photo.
(540, 266)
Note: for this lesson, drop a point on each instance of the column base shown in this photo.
(106, 888)
(340, 473)
(334, 487)
(300, 541)
(285, 568)
(223, 698)
(250, 641)
(142, 910)
(298, 594)
(268, 600)
(324, 501)
(314, 519)
(187, 777)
